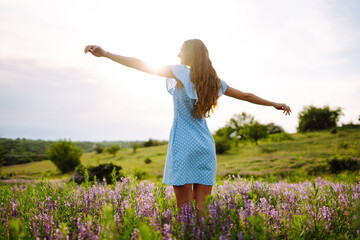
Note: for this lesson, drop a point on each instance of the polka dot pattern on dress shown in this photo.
(191, 156)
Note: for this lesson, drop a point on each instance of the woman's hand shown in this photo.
(97, 51)
(281, 106)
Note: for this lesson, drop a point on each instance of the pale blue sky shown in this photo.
(296, 52)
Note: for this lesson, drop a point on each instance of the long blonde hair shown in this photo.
(204, 77)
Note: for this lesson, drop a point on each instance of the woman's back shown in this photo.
(191, 154)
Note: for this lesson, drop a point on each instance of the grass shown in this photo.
(306, 154)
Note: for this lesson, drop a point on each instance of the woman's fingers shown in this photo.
(286, 109)
(88, 48)
(94, 50)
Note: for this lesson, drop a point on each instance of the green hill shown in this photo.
(303, 156)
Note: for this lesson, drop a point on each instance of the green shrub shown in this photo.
(273, 128)
(147, 161)
(339, 164)
(65, 155)
(99, 148)
(105, 171)
(140, 174)
(80, 169)
(113, 149)
(222, 144)
(109, 171)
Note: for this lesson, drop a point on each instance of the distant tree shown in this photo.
(3, 152)
(149, 143)
(65, 155)
(312, 118)
(255, 131)
(232, 129)
(134, 147)
(237, 122)
(224, 132)
(113, 149)
(273, 128)
(99, 148)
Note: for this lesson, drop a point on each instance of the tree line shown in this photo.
(241, 127)
(21, 150)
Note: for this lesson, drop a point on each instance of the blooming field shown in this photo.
(238, 209)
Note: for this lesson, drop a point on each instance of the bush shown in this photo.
(339, 164)
(140, 174)
(147, 161)
(312, 118)
(65, 155)
(113, 149)
(333, 131)
(272, 128)
(104, 171)
(80, 169)
(222, 144)
(109, 171)
(99, 148)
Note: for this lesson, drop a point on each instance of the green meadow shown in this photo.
(304, 156)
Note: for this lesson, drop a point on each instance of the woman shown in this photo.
(191, 160)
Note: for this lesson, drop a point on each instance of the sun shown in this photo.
(161, 55)
(156, 65)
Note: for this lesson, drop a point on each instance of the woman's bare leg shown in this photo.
(200, 193)
(183, 194)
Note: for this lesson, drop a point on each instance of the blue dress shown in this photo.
(191, 155)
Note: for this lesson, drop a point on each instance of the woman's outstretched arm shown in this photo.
(249, 97)
(135, 63)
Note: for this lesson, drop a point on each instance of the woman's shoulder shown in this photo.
(179, 68)
(181, 72)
